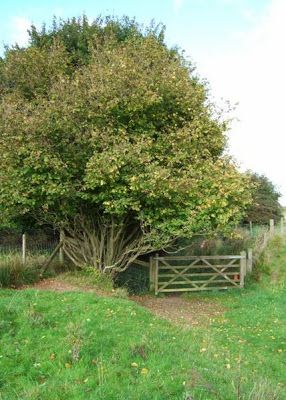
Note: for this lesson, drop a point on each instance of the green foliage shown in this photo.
(78, 35)
(108, 121)
(265, 204)
(135, 279)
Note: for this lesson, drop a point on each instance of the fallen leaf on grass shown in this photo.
(144, 371)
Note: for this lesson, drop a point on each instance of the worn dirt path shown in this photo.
(175, 308)
(179, 310)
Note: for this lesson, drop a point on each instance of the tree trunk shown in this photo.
(104, 243)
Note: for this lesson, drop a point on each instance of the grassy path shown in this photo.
(81, 346)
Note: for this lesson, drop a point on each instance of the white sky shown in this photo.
(18, 30)
(253, 73)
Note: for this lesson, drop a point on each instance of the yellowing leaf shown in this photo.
(144, 371)
(134, 365)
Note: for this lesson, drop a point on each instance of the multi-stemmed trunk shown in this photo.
(104, 243)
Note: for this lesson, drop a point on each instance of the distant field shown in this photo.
(80, 346)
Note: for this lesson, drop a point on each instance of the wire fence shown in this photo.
(42, 242)
(34, 243)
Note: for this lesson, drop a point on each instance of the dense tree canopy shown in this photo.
(109, 134)
(265, 205)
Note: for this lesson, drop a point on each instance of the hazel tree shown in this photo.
(116, 144)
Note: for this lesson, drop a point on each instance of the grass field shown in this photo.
(79, 346)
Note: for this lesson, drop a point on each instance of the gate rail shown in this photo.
(197, 273)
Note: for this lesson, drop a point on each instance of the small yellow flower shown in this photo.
(134, 365)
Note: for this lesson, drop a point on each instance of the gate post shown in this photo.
(242, 268)
(151, 274)
(156, 273)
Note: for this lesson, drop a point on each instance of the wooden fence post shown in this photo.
(156, 273)
(250, 228)
(151, 273)
(242, 268)
(24, 246)
(271, 228)
(249, 260)
(61, 251)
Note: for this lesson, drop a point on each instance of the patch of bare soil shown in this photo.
(186, 312)
(175, 308)
(61, 286)
(55, 285)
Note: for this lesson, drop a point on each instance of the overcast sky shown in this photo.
(237, 45)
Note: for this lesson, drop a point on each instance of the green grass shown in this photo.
(14, 274)
(79, 346)
(88, 277)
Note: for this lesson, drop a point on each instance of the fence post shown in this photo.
(271, 228)
(61, 251)
(242, 268)
(156, 273)
(24, 246)
(250, 228)
(151, 273)
(249, 260)
(282, 226)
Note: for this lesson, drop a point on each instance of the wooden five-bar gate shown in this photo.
(197, 273)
